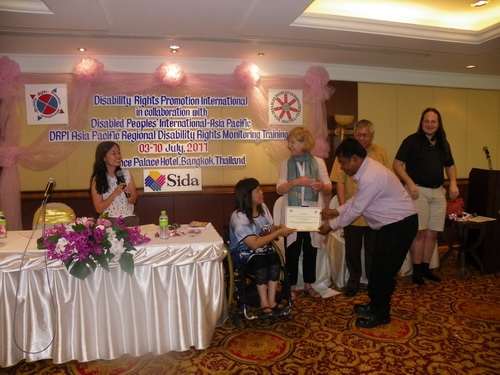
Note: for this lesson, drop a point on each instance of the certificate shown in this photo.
(304, 219)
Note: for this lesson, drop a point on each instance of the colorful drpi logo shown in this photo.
(46, 104)
(286, 107)
(155, 180)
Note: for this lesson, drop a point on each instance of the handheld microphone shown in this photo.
(49, 187)
(121, 179)
(485, 149)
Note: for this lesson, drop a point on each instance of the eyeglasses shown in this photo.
(362, 135)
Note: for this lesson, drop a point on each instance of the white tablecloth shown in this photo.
(173, 301)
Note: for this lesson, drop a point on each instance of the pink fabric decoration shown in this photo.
(170, 74)
(317, 79)
(247, 74)
(8, 155)
(9, 73)
(88, 70)
(321, 148)
(9, 70)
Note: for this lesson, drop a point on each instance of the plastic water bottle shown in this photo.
(3, 225)
(164, 232)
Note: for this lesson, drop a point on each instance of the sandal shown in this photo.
(267, 311)
(312, 293)
(278, 308)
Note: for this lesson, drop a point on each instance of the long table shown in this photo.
(173, 301)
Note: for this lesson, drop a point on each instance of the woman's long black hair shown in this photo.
(243, 197)
(441, 141)
(100, 170)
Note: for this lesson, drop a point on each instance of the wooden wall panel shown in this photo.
(214, 204)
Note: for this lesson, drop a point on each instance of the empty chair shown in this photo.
(55, 213)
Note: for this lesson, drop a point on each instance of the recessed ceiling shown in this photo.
(24, 6)
(444, 20)
(447, 37)
(449, 14)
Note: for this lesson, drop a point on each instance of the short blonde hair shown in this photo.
(303, 135)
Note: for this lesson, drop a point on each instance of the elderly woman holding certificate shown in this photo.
(303, 182)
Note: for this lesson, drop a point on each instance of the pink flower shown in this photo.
(247, 74)
(170, 74)
(317, 79)
(88, 70)
(9, 70)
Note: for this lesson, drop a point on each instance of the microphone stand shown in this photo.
(490, 165)
(44, 208)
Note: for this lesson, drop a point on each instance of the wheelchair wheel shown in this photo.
(283, 292)
(228, 270)
(245, 293)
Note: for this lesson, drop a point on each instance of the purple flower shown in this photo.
(85, 239)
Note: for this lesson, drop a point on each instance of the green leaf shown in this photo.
(39, 243)
(102, 259)
(82, 269)
(127, 263)
(103, 216)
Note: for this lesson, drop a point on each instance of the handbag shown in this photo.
(455, 207)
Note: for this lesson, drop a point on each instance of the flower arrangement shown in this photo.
(85, 243)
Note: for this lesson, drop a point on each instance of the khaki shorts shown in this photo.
(431, 208)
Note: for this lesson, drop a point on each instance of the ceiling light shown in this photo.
(82, 49)
(479, 3)
(174, 49)
(470, 66)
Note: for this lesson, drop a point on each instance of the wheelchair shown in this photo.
(241, 290)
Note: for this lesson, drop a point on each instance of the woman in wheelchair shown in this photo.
(251, 232)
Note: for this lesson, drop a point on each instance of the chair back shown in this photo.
(55, 213)
(334, 203)
(277, 210)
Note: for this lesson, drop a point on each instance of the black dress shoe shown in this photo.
(364, 310)
(372, 321)
(418, 280)
(429, 275)
(350, 292)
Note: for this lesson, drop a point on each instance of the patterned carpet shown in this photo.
(452, 327)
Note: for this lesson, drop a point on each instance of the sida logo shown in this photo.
(285, 107)
(154, 180)
(163, 180)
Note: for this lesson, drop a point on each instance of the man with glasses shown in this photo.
(358, 231)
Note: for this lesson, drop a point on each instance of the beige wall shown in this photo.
(471, 119)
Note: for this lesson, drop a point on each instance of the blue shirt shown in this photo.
(241, 228)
